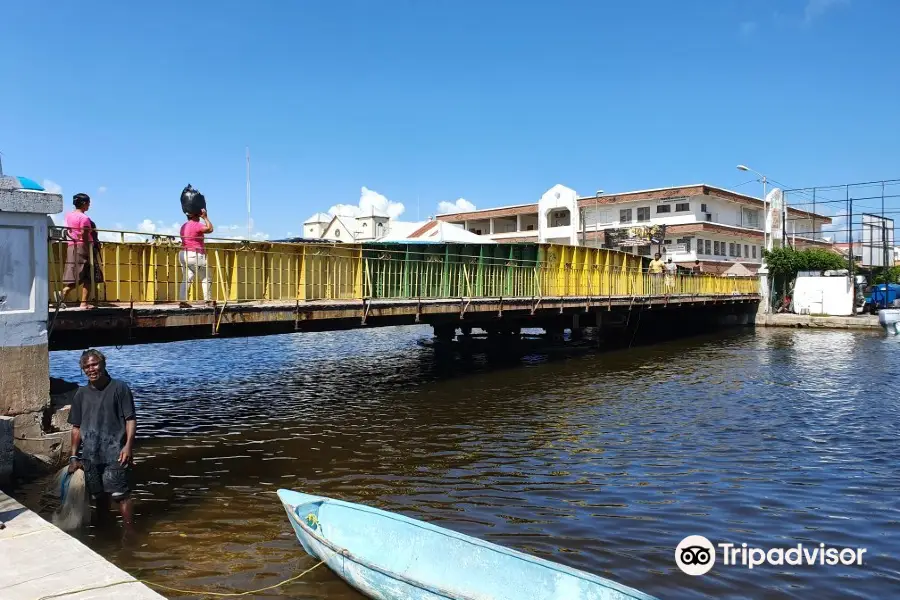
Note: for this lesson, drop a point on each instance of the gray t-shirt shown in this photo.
(101, 414)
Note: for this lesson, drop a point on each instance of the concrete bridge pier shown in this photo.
(445, 332)
(27, 420)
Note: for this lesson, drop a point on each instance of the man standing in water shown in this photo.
(103, 423)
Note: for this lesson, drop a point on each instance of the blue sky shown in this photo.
(431, 101)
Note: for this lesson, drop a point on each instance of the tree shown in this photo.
(888, 275)
(787, 262)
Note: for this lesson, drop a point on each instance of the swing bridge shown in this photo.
(260, 288)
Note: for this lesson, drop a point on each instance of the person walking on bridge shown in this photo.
(655, 269)
(193, 254)
(82, 263)
(104, 424)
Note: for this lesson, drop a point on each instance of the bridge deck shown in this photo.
(120, 323)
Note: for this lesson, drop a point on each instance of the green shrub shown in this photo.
(787, 262)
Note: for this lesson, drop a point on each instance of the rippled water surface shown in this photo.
(602, 462)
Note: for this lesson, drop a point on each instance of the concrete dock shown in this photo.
(817, 322)
(41, 560)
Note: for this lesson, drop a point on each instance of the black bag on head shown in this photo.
(192, 201)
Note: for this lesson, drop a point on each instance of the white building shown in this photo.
(439, 232)
(362, 228)
(718, 227)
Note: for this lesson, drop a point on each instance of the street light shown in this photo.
(583, 213)
(763, 268)
(764, 180)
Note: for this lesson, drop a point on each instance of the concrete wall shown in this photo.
(823, 296)
(25, 376)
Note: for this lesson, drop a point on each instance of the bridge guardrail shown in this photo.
(144, 268)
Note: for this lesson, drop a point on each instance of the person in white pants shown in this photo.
(193, 255)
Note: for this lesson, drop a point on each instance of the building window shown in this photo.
(337, 233)
(754, 251)
(746, 251)
(625, 215)
(699, 246)
(707, 246)
(731, 249)
(687, 243)
(643, 213)
(683, 207)
(663, 208)
(737, 249)
(529, 228)
(703, 208)
(709, 216)
(558, 218)
(716, 249)
(365, 224)
(644, 250)
(750, 218)
(667, 242)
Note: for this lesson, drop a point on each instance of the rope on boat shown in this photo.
(180, 591)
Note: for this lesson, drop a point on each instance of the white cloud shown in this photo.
(158, 227)
(222, 232)
(344, 210)
(101, 189)
(51, 186)
(369, 201)
(837, 229)
(817, 8)
(461, 205)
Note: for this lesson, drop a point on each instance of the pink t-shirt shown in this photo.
(76, 221)
(192, 236)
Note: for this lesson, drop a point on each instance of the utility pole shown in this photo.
(583, 228)
(884, 239)
(850, 238)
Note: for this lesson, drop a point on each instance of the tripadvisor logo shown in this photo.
(696, 555)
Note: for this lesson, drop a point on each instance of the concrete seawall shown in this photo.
(41, 560)
(820, 322)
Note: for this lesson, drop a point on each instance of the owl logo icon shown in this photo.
(695, 555)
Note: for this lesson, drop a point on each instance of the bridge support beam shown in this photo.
(25, 407)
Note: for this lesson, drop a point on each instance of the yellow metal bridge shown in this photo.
(269, 287)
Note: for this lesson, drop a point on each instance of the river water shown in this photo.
(603, 462)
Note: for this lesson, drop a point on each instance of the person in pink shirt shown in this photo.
(82, 264)
(193, 254)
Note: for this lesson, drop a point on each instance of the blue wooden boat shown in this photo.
(388, 556)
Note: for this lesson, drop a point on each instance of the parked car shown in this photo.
(881, 295)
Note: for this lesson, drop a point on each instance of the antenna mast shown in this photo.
(249, 219)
